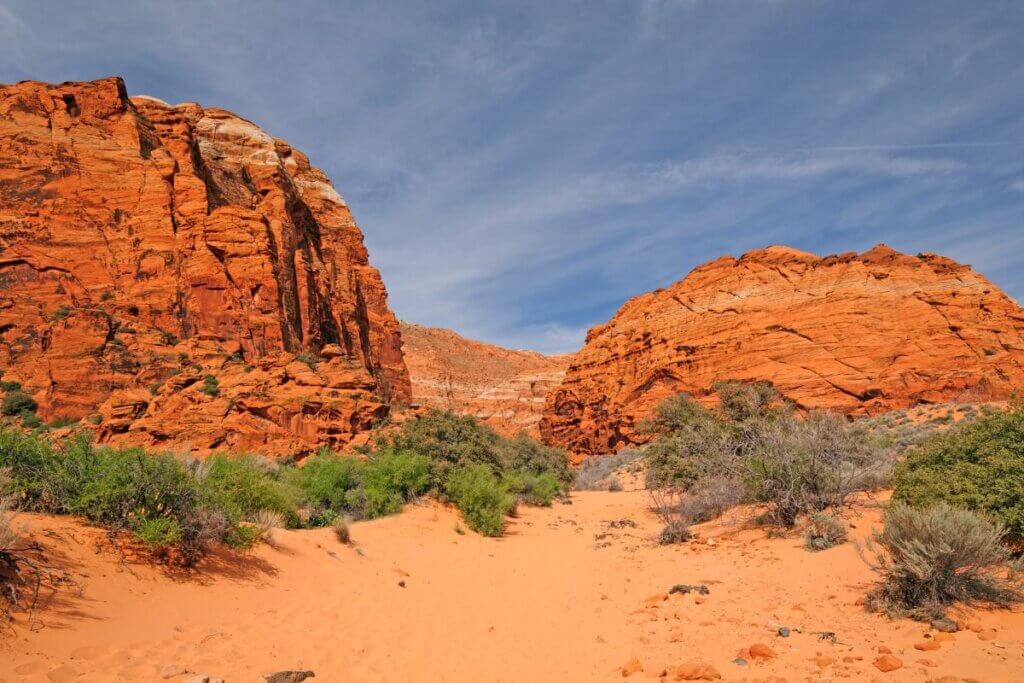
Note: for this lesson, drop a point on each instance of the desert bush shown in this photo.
(481, 497)
(8, 536)
(614, 484)
(389, 480)
(342, 531)
(211, 386)
(164, 501)
(801, 467)
(824, 531)
(449, 441)
(675, 531)
(665, 502)
(597, 472)
(241, 486)
(933, 557)
(691, 441)
(324, 483)
(977, 465)
(525, 454)
(750, 401)
(711, 498)
(532, 489)
(753, 448)
(17, 402)
(266, 521)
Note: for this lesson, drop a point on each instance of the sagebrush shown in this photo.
(932, 557)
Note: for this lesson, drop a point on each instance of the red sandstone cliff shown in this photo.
(502, 387)
(856, 333)
(145, 247)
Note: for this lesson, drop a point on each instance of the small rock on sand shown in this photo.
(927, 646)
(759, 651)
(631, 667)
(172, 670)
(289, 676)
(695, 671)
(887, 663)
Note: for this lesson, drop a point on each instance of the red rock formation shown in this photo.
(860, 334)
(144, 247)
(502, 387)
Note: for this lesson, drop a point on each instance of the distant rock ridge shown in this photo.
(857, 333)
(182, 279)
(503, 387)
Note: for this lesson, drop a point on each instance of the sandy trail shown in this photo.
(562, 597)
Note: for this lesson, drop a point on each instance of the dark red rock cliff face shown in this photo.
(145, 248)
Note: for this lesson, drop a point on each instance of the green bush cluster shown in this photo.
(17, 403)
(976, 465)
(331, 486)
(166, 502)
(170, 502)
(481, 497)
(479, 470)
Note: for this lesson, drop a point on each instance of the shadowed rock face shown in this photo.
(144, 247)
(857, 333)
(503, 387)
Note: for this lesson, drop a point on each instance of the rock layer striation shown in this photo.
(183, 279)
(505, 388)
(857, 333)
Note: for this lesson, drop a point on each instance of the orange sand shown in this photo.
(549, 602)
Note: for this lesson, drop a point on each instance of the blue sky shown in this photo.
(522, 168)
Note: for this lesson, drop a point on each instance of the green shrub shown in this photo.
(449, 441)
(933, 557)
(525, 454)
(211, 386)
(240, 487)
(10, 386)
(824, 531)
(532, 489)
(691, 442)
(28, 459)
(161, 500)
(390, 479)
(30, 420)
(159, 533)
(324, 483)
(977, 465)
(17, 402)
(61, 313)
(481, 498)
